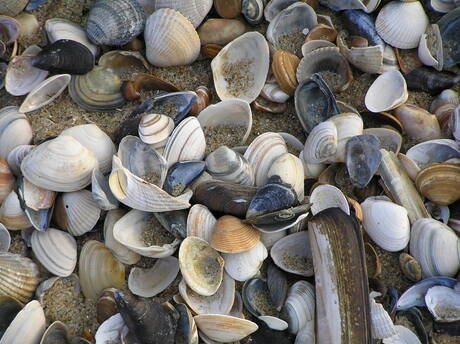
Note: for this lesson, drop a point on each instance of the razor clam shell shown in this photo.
(5, 239)
(152, 281)
(15, 157)
(101, 192)
(242, 266)
(299, 308)
(387, 92)
(15, 130)
(290, 169)
(56, 250)
(428, 152)
(443, 303)
(224, 328)
(328, 196)
(200, 222)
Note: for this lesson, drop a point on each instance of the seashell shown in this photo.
(56, 332)
(77, 212)
(428, 152)
(99, 269)
(28, 326)
(28, 25)
(292, 254)
(195, 10)
(277, 285)
(10, 30)
(245, 60)
(333, 270)
(181, 174)
(16, 156)
(11, 213)
(142, 81)
(264, 105)
(13, 8)
(382, 325)
(442, 6)
(231, 235)
(443, 303)
(220, 31)
(228, 8)
(299, 308)
(284, 68)
(224, 328)
(38, 203)
(330, 64)
(56, 251)
(314, 102)
(362, 157)
(15, 130)
(200, 222)
(220, 302)
(228, 165)
(187, 331)
(9, 308)
(203, 101)
(328, 196)
(418, 123)
(290, 169)
(401, 24)
(45, 92)
(410, 267)
(211, 50)
(438, 212)
(253, 11)
(435, 246)
(428, 80)
(109, 330)
(448, 26)
(245, 265)
(3, 69)
(179, 43)
(201, 266)
(97, 90)
(386, 223)
(262, 152)
(274, 94)
(21, 76)
(274, 7)
(348, 124)
(322, 31)
(101, 192)
(175, 222)
(5, 239)
(438, 183)
(257, 300)
(20, 276)
(308, 47)
(150, 282)
(444, 107)
(389, 139)
(387, 92)
(381, 119)
(430, 50)
(6, 180)
(121, 252)
(362, 24)
(154, 129)
(115, 22)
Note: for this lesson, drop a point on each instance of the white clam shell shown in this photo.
(154, 129)
(101, 192)
(200, 222)
(321, 144)
(246, 56)
(194, 10)
(56, 250)
(152, 281)
(270, 238)
(5, 239)
(274, 93)
(389, 139)
(242, 266)
(15, 130)
(404, 335)
(386, 223)
(274, 7)
(443, 303)
(348, 124)
(224, 328)
(15, 157)
(111, 329)
(312, 171)
(309, 46)
(274, 323)
(290, 169)
(387, 92)
(382, 325)
(426, 52)
(11, 213)
(428, 152)
(170, 39)
(328, 196)
(401, 24)
(300, 306)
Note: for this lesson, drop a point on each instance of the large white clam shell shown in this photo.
(443, 303)
(15, 130)
(11, 213)
(56, 250)
(402, 23)
(154, 129)
(290, 169)
(170, 39)
(200, 222)
(387, 92)
(300, 305)
(224, 328)
(386, 223)
(321, 144)
(242, 266)
(428, 152)
(194, 10)
(348, 124)
(240, 69)
(328, 196)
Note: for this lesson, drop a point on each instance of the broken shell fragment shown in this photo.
(443, 303)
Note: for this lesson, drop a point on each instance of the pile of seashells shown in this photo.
(268, 244)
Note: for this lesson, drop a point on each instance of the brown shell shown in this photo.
(440, 183)
(323, 32)
(211, 50)
(374, 267)
(6, 180)
(410, 267)
(204, 99)
(228, 8)
(284, 68)
(262, 104)
(147, 82)
(106, 305)
(231, 235)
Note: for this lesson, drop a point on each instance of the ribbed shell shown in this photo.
(200, 222)
(321, 144)
(194, 10)
(12, 7)
(439, 183)
(284, 68)
(114, 22)
(170, 39)
(154, 129)
(56, 250)
(382, 325)
(19, 276)
(231, 235)
(300, 305)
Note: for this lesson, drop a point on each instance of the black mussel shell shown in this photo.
(362, 157)
(186, 333)
(223, 197)
(430, 80)
(265, 335)
(359, 23)
(277, 285)
(257, 299)
(65, 56)
(181, 174)
(414, 315)
(175, 222)
(449, 26)
(9, 307)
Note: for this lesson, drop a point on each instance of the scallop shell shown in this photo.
(170, 39)
(11, 213)
(224, 328)
(15, 157)
(245, 61)
(154, 129)
(401, 24)
(245, 265)
(12, 7)
(56, 250)
(194, 10)
(200, 222)
(299, 308)
(328, 196)
(321, 144)
(439, 183)
(387, 92)
(231, 235)
(290, 169)
(15, 130)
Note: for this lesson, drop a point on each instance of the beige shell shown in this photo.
(328, 196)
(439, 183)
(220, 31)
(11, 213)
(97, 141)
(232, 235)
(77, 212)
(154, 129)
(170, 39)
(194, 10)
(242, 266)
(201, 266)
(262, 152)
(224, 328)
(290, 169)
(321, 144)
(56, 250)
(419, 125)
(240, 69)
(19, 276)
(387, 92)
(6, 180)
(61, 164)
(28, 24)
(348, 124)
(411, 167)
(15, 157)
(200, 222)
(99, 269)
(15, 130)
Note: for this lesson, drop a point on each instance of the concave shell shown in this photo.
(6, 180)
(194, 10)
(321, 144)
(224, 328)
(387, 92)
(99, 269)
(15, 157)
(15, 130)
(97, 141)
(443, 303)
(200, 222)
(10, 30)
(114, 22)
(55, 333)
(290, 169)
(401, 24)
(262, 152)
(201, 266)
(299, 308)
(5, 239)
(382, 325)
(449, 25)
(56, 250)
(418, 124)
(231, 235)
(152, 281)
(292, 254)
(12, 7)
(330, 64)
(386, 223)
(154, 129)
(443, 106)
(430, 49)
(45, 92)
(170, 39)
(439, 183)
(101, 192)
(21, 76)
(97, 90)
(274, 7)
(229, 113)
(389, 139)
(284, 67)
(27, 327)
(61, 164)
(129, 231)
(348, 124)
(428, 152)
(310, 46)
(240, 69)
(257, 299)
(242, 266)
(11, 213)
(277, 285)
(220, 302)
(436, 247)
(19, 276)
(328, 196)
(77, 212)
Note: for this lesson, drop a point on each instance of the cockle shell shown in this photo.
(194, 10)
(200, 222)
(382, 325)
(170, 39)
(154, 129)
(15, 130)
(224, 328)
(231, 235)
(387, 92)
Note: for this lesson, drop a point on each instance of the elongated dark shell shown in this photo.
(182, 174)
(277, 285)
(9, 307)
(65, 56)
(115, 22)
(430, 80)
(175, 222)
(359, 23)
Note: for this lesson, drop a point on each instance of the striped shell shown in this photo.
(194, 10)
(200, 222)
(231, 235)
(227, 165)
(154, 129)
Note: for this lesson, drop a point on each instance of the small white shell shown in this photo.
(15, 130)
(387, 92)
(242, 266)
(154, 129)
(200, 222)
(16, 156)
(194, 10)
(300, 306)
(321, 144)
(290, 169)
(111, 329)
(11, 213)
(224, 328)
(348, 124)
(443, 303)
(274, 323)
(274, 93)
(328, 196)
